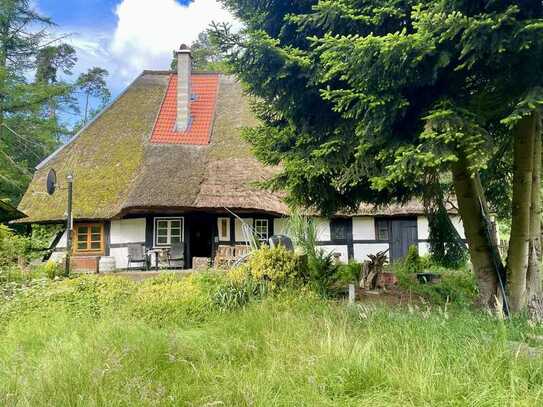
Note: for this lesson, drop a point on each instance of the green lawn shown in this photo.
(110, 342)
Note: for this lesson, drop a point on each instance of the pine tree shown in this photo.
(93, 85)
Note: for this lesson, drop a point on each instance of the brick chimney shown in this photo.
(184, 91)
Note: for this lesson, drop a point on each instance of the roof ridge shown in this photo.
(170, 72)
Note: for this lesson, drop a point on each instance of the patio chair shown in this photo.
(137, 255)
(176, 254)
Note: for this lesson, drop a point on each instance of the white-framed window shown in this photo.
(223, 225)
(168, 231)
(382, 229)
(261, 229)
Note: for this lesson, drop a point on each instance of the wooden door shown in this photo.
(404, 234)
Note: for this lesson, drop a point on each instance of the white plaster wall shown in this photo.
(57, 257)
(423, 230)
(361, 250)
(457, 222)
(323, 229)
(240, 237)
(124, 231)
(280, 226)
(342, 250)
(424, 248)
(120, 254)
(363, 228)
(321, 224)
(62, 242)
(127, 231)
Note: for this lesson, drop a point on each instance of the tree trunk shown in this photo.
(470, 206)
(86, 108)
(517, 256)
(533, 277)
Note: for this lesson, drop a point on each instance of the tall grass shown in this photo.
(291, 349)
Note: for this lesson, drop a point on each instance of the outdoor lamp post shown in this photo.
(69, 223)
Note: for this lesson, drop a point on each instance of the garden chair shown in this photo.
(137, 255)
(176, 254)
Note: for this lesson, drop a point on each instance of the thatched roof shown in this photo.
(118, 169)
(104, 157)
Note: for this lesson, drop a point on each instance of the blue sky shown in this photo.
(128, 36)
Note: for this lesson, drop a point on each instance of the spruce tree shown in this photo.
(360, 100)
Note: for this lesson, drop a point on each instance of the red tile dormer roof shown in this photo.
(204, 88)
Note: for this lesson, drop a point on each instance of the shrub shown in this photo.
(236, 294)
(52, 269)
(304, 233)
(319, 267)
(348, 273)
(455, 286)
(322, 271)
(412, 262)
(12, 246)
(276, 265)
(171, 298)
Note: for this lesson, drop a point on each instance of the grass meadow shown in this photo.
(107, 341)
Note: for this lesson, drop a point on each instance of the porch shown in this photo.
(166, 240)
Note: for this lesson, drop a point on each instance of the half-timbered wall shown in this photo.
(349, 238)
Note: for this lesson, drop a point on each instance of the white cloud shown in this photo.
(143, 37)
(148, 31)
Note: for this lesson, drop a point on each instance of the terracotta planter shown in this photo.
(386, 280)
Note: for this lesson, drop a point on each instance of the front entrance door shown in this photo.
(201, 236)
(404, 234)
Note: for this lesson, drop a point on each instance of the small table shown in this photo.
(157, 253)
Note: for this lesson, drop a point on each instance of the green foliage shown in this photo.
(348, 273)
(303, 231)
(34, 89)
(277, 265)
(413, 262)
(29, 247)
(206, 53)
(237, 293)
(361, 100)
(52, 59)
(455, 286)
(292, 349)
(321, 269)
(158, 301)
(446, 246)
(53, 269)
(93, 85)
(12, 246)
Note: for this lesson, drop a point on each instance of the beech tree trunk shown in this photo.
(519, 243)
(533, 276)
(471, 206)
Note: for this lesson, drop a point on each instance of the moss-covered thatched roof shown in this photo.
(104, 158)
(117, 170)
